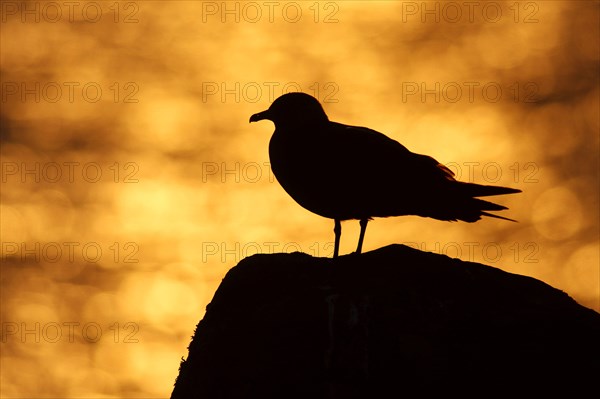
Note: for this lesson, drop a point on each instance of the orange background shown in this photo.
(132, 181)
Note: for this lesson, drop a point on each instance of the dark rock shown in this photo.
(390, 323)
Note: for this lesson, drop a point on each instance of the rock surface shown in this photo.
(394, 322)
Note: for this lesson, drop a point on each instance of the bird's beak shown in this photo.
(260, 116)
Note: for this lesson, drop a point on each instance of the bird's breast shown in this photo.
(306, 173)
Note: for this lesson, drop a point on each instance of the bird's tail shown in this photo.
(497, 217)
(480, 190)
(477, 208)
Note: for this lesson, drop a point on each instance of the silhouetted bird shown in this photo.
(346, 172)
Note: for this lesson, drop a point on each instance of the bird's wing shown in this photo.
(374, 155)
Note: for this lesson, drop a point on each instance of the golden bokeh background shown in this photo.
(132, 181)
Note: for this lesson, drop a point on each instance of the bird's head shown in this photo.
(293, 109)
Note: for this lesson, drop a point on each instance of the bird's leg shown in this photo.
(337, 230)
(363, 228)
